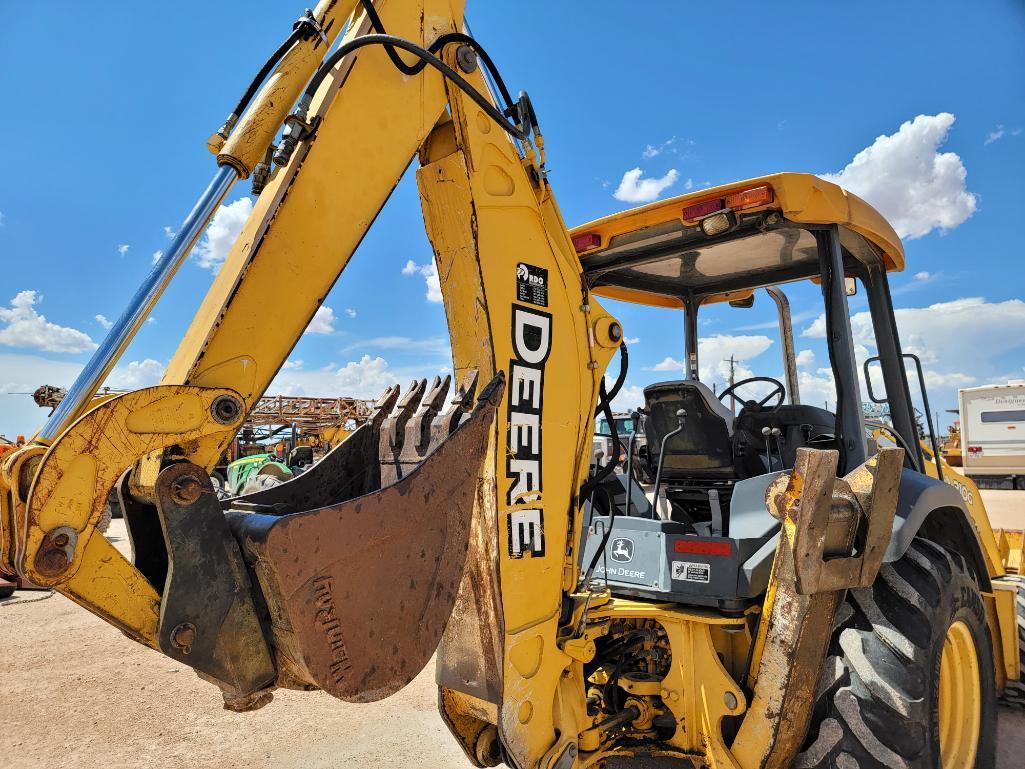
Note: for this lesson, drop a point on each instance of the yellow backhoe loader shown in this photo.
(786, 592)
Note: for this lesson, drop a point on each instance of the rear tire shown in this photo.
(877, 705)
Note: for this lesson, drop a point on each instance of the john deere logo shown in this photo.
(622, 550)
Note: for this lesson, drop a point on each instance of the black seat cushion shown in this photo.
(704, 449)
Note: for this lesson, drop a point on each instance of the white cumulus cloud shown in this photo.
(633, 188)
(951, 338)
(350, 312)
(429, 272)
(323, 321)
(905, 176)
(221, 234)
(123, 249)
(714, 354)
(365, 378)
(136, 375)
(102, 320)
(23, 326)
(805, 359)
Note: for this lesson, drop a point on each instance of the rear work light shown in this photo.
(716, 224)
(586, 242)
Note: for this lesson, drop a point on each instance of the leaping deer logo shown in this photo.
(622, 550)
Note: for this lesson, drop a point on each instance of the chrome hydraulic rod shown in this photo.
(123, 331)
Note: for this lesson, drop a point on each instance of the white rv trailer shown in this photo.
(993, 434)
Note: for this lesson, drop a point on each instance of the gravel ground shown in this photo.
(75, 693)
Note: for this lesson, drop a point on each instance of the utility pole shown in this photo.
(733, 400)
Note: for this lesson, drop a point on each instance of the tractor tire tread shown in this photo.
(874, 702)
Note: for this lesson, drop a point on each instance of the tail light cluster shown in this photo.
(714, 215)
(975, 449)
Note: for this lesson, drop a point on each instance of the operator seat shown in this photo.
(704, 450)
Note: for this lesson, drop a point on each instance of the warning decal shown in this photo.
(692, 572)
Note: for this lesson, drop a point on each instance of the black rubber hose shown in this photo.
(432, 60)
(605, 470)
(269, 65)
(624, 363)
(437, 45)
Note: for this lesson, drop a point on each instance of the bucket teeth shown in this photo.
(460, 405)
(393, 433)
(418, 430)
(384, 405)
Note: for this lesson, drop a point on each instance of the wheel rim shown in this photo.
(960, 699)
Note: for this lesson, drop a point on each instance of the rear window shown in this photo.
(989, 417)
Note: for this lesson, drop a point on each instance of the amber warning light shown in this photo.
(735, 201)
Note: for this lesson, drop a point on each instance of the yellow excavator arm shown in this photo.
(451, 520)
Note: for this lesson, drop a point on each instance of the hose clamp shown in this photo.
(308, 20)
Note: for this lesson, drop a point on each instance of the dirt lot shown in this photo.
(75, 693)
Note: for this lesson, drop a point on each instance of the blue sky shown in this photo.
(105, 114)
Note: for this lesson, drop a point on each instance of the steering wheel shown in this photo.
(778, 392)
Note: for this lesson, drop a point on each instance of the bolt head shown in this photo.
(466, 58)
(183, 636)
(52, 562)
(186, 491)
(226, 409)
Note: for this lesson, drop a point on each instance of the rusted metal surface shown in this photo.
(208, 619)
(820, 508)
(824, 518)
(360, 590)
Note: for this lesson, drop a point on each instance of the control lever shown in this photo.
(681, 415)
(766, 432)
(776, 434)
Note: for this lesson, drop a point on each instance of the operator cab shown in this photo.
(696, 527)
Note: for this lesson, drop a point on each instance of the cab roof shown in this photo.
(659, 253)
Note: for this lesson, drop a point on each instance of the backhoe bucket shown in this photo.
(360, 558)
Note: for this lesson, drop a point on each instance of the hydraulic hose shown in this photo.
(265, 70)
(427, 57)
(436, 46)
(624, 363)
(303, 29)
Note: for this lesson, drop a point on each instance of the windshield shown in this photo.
(623, 425)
